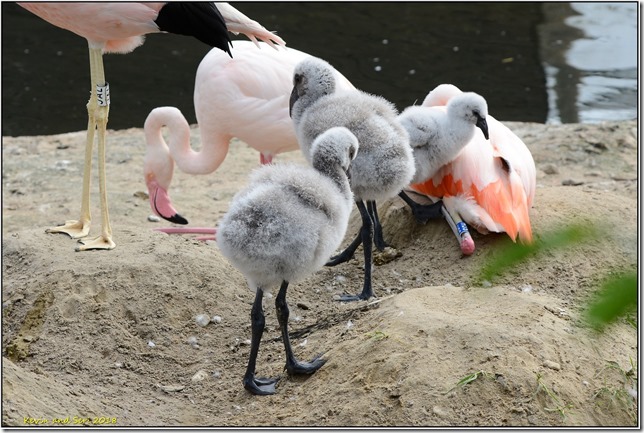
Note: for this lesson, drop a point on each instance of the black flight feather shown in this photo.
(201, 20)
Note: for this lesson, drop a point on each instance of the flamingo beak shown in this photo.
(162, 205)
(348, 172)
(482, 124)
(294, 97)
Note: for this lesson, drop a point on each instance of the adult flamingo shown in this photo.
(119, 28)
(246, 96)
(489, 184)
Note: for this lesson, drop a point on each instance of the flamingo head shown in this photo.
(312, 79)
(160, 202)
(471, 108)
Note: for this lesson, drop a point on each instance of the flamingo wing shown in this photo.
(237, 22)
(253, 104)
(246, 96)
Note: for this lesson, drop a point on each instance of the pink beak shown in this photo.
(162, 205)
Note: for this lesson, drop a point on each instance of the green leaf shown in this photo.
(511, 254)
(616, 298)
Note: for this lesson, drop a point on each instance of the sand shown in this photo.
(108, 337)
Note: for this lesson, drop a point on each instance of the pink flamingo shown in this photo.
(489, 184)
(119, 28)
(247, 97)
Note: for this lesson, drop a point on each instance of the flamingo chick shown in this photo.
(488, 184)
(436, 137)
(245, 97)
(384, 164)
(283, 227)
(119, 27)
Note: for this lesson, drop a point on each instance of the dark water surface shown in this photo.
(397, 50)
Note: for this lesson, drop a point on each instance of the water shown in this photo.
(589, 51)
(530, 60)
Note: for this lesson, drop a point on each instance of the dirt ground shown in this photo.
(110, 337)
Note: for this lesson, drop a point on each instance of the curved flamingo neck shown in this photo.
(189, 161)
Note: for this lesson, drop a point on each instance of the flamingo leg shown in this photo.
(460, 230)
(80, 228)
(350, 250)
(366, 238)
(265, 159)
(257, 386)
(347, 254)
(293, 366)
(98, 109)
(378, 239)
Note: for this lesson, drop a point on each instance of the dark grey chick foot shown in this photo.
(260, 385)
(423, 212)
(294, 367)
(353, 298)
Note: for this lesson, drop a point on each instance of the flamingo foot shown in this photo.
(422, 212)
(98, 243)
(353, 298)
(75, 229)
(260, 385)
(365, 295)
(295, 367)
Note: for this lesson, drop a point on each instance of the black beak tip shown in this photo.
(294, 97)
(177, 219)
(482, 124)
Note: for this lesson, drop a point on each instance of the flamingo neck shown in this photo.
(333, 172)
(178, 146)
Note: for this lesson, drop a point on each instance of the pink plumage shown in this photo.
(119, 27)
(246, 97)
(490, 184)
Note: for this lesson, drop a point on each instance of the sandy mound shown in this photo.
(103, 337)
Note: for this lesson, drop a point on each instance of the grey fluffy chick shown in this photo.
(384, 164)
(436, 137)
(283, 227)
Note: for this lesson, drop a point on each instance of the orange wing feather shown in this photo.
(498, 175)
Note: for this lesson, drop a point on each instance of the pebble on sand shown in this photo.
(551, 364)
(199, 376)
(202, 319)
